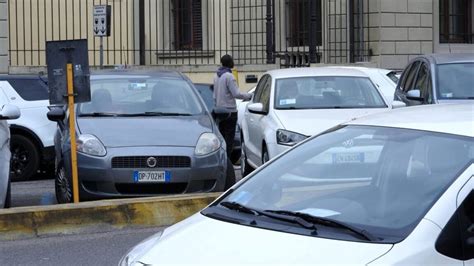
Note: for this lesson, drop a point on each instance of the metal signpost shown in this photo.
(69, 82)
(101, 24)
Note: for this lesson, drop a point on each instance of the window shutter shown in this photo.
(197, 25)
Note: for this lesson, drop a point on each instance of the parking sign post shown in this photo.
(101, 27)
(69, 83)
(72, 131)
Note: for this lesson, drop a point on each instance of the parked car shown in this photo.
(387, 189)
(241, 105)
(6, 112)
(290, 105)
(32, 142)
(437, 78)
(206, 91)
(142, 134)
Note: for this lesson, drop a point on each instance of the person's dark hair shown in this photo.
(227, 61)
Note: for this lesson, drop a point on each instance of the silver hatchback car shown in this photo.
(142, 134)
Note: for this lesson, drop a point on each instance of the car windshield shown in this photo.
(140, 96)
(326, 92)
(380, 180)
(455, 81)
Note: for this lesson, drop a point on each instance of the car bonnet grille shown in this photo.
(161, 162)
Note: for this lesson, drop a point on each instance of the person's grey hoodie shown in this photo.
(226, 90)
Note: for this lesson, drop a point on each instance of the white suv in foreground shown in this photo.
(32, 136)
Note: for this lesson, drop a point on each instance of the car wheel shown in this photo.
(265, 156)
(62, 185)
(8, 198)
(245, 168)
(25, 158)
(230, 175)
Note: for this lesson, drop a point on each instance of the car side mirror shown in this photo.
(398, 104)
(9, 111)
(56, 114)
(414, 95)
(220, 114)
(256, 108)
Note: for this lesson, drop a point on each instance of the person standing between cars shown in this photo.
(226, 91)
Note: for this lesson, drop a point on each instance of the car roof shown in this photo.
(28, 76)
(103, 74)
(367, 69)
(448, 118)
(315, 71)
(449, 58)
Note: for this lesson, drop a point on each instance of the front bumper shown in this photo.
(99, 179)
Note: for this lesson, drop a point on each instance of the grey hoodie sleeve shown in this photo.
(234, 89)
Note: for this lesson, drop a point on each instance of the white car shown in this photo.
(32, 136)
(241, 105)
(387, 189)
(6, 112)
(291, 104)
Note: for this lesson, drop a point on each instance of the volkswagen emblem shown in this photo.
(151, 162)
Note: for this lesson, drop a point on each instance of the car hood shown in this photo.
(146, 131)
(212, 242)
(310, 122)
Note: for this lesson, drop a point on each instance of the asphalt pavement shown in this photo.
(84, 249)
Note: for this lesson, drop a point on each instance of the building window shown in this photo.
(187, 24)
(455, 21)
(299, 21)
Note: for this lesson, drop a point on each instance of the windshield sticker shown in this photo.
(243, 197)
(287, 101)
(319, 212)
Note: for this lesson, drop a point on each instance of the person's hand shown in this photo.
(248, 96)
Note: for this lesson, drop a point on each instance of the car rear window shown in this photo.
(30, 89)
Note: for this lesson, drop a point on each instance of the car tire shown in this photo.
(25, 158)
(8, 198)
(230, 179)
(62, 185)
(265, 156)
(245, 168)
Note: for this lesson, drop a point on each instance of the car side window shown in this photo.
(423, 83)
(259, 89)
(409, 77)
(457, 238)
(30, 89)
(265, 97)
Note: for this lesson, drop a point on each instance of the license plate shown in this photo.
(348, 157)
(151, 176)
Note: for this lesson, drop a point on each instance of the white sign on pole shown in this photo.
(101, 20)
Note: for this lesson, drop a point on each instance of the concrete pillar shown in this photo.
(4, 60)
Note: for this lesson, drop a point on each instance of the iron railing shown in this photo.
(144, 32)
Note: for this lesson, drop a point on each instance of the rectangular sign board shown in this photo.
(58, 55)
(101, 21)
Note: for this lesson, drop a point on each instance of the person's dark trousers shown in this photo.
(227, 129)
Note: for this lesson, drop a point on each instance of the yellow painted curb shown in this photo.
(29, 222)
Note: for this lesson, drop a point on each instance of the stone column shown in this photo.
(4, 59)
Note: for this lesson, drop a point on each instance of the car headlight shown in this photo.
(90, 145)
(134, 254)
(207, 143)
(289, 138)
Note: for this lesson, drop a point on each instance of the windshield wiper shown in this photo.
(327, 222)
(293, 219)
(98, 114)
(160, 114)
